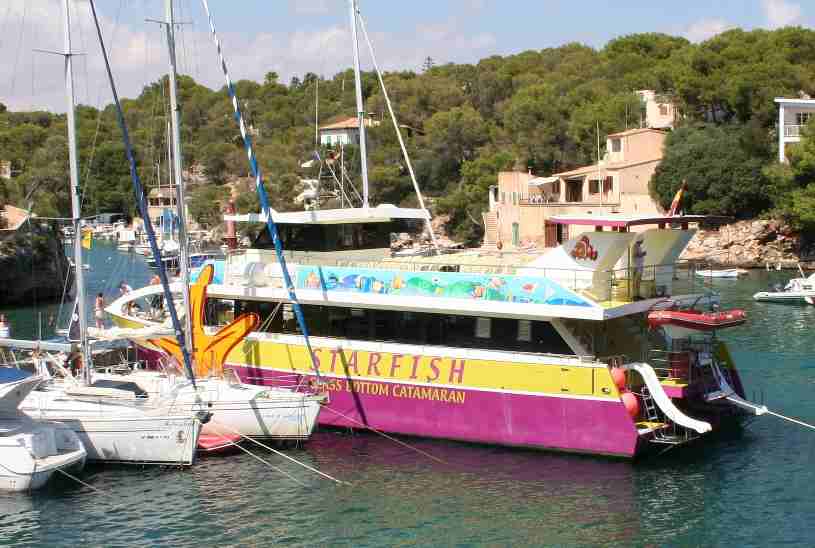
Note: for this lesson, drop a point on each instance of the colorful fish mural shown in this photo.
(451, 285)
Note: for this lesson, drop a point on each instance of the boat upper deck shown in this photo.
(601, 273)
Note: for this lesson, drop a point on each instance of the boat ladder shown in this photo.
(649, 407)
(672, 433)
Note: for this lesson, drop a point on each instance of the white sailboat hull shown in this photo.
(283, 419)
(122, 432)
(248, 410)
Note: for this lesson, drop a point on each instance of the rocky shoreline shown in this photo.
(752, 244)
(33, 266)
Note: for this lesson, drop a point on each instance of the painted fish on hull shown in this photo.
(451, 285)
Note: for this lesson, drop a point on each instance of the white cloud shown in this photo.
(781, 13)
(139, 56)
(314, 7)
(705, 29)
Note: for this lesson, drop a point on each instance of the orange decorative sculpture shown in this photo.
(209, 351)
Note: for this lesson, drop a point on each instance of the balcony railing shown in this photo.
(792, 130)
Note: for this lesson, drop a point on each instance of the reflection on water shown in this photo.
(752, 489)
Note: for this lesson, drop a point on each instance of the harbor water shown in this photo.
(751, 489)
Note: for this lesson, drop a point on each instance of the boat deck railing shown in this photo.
(607, 287)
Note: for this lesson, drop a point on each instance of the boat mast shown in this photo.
(76, 204)
(363, 151)
(183, 250)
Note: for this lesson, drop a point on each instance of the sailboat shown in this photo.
(114, 424)
(239, 409)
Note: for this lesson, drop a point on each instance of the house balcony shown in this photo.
(792, 131)
(606, 201)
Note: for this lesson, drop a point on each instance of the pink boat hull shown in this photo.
(580, 425)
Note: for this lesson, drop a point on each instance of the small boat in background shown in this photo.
(725, 273)
(31, 452)
(797, 290)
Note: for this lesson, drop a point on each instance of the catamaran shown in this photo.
(554, 352)
(549, 351)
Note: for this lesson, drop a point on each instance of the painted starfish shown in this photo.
(209, 351)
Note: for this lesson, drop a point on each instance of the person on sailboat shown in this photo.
(124, 289)
(99, 311)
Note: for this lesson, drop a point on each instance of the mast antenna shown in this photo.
(363, 150)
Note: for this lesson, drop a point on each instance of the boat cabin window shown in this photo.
(411, 327)
(219, 312)
(336, 237)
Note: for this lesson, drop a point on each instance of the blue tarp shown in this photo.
(11, 374)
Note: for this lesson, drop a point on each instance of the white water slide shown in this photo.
(664, 402)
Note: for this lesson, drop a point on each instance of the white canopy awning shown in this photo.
(540, 181)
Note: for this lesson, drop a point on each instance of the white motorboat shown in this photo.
(724, 273)
(31, 452)
(797, 290)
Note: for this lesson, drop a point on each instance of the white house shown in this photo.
(660, 112)
(343, 132)
(792, 114)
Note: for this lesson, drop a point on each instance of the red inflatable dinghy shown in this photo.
(216, 444)
(697, 320)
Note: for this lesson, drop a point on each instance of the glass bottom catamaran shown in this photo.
(551, 350)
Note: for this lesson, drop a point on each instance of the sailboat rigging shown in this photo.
(250, 410)
(113, 423)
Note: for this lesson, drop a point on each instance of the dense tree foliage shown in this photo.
(722, 177)
(536, 110)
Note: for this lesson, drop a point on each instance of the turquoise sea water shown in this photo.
(753, 489)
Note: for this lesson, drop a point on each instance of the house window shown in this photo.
(594, 186)
(556, 187)
(616, 145)
(663, 110)
(801, 118)
(503, 197)
(574, 191)
(608, 185)
(514, 198)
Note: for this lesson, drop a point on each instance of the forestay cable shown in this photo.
(138, 190)
(262, 196)
(398, 131)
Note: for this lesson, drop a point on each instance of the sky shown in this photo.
(292, 37)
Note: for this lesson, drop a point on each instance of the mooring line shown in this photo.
(384, 435)
(270, 465)
(304, 465)
(88, 485)
(796, 421)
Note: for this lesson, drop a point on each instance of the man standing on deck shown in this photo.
(639, 265)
